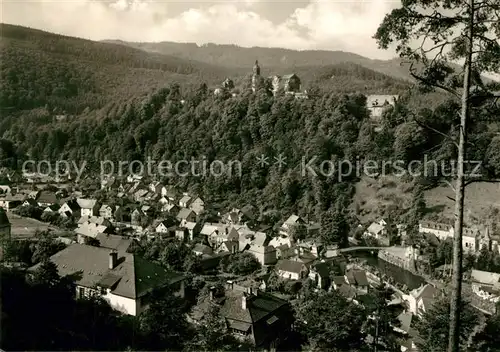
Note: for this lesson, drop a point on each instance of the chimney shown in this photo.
(113, 259)
(211, 291)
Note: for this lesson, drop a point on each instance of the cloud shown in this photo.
(330, 25)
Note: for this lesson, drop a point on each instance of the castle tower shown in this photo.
(255, 76)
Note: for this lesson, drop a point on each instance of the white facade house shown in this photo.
(420, 299)
(440, 230)
(114, 276)
(486, 285)
(89, 207)
(266, 255)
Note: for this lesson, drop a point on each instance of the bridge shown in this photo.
(360, 248)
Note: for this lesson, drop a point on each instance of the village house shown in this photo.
(378, 231)
(140, 195)
(440, 230)
(120, 214)
(186, 215)
(266, 255)
(124, 280)
(10, 202)
(156, 187)
(52, 209)
(88, 230)
(486, 285)
(98, 220)
(170, 209)
(202, 249)
(106, 211)
(283, 251)
(357, 279)
(70, 208)
(138, 217)
(216, 233)
(182, 234)
(291, 269)
(114, 242)
(197, 205)
(185, 201)
(109, 183)
(320, 274)
(261, 318)
(420, 299)
(240, 216)
(192, 228)
(473, 238)
(89, 207)
(5, 226)
(227, 246)
(293, 220)
(46, 198)
(29, 202)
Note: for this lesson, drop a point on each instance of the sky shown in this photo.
(294, 24)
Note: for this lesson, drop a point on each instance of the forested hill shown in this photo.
(40, 68)
(270, 58)
(71, 74)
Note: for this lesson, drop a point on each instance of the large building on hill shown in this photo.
(123, 279)
(289, 83)
(377, 104)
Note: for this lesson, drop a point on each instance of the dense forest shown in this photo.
(146, 112)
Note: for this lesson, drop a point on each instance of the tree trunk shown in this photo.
(454, 336)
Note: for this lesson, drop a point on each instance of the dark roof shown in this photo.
(115, 242)
(358, 277)
(290, 266)
(89, 266)
(184, 213)
(259, 306)
(47, 197)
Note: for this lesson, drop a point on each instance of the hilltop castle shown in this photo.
(289, 83)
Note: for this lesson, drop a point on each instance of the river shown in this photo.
(400, 275)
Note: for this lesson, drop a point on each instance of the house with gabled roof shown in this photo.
(186, 214)
(420, 299)
(46, 198)
(106, 211)
(292, 220)
(115, 242)
(259, 317)
(486, 285)
(70, 208)
(197, 205)
(291, 269)
(124, 280)
(10, 201)
(185, 201)
(89, 207)
(357, 279)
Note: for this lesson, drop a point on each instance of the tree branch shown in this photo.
(429, 83)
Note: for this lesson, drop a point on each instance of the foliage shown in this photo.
(243, 263)
(434, 325)
(488, 339)
(334, 228)
(331, 322)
